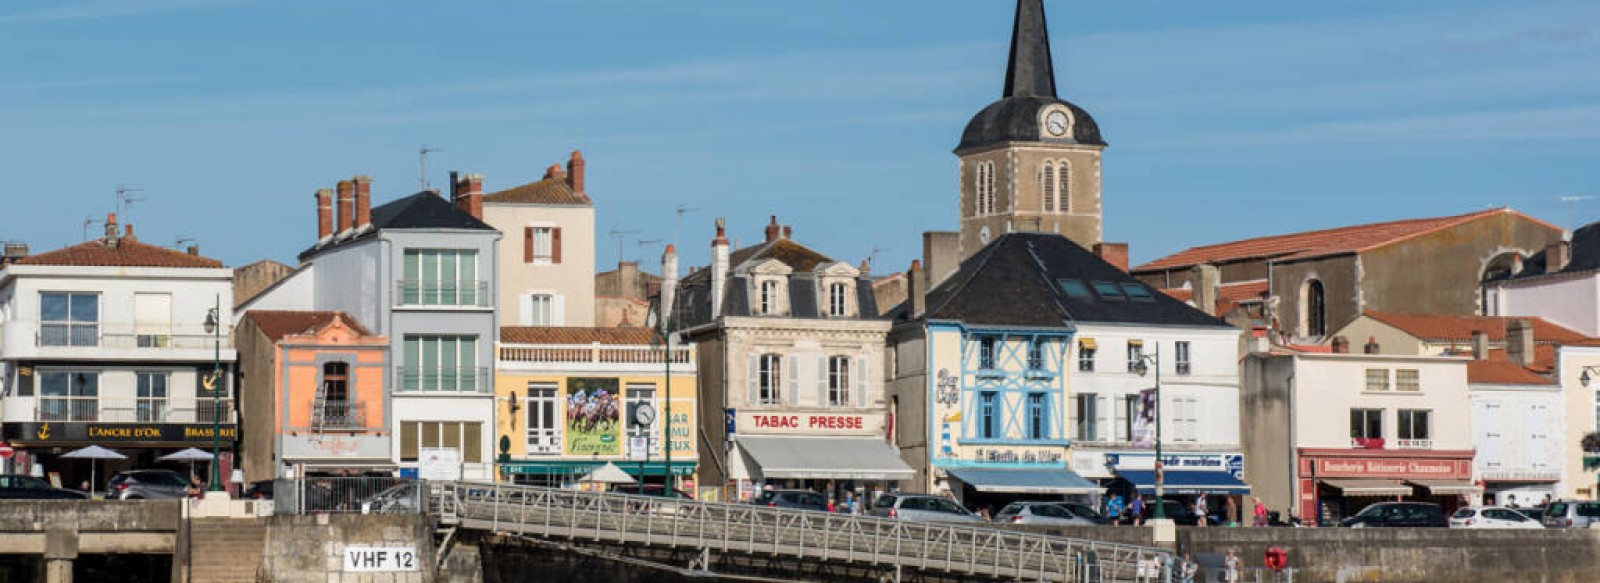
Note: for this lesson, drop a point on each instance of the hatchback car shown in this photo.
(1491, 517)
(922, 508)
(1571, 514)
(147, 484)
(1041, 513)
(1398, 514)
(656, 490)
(796, 499)
(1085, 512)
(19, 487)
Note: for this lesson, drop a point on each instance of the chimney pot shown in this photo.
(1480, 345)
(324, 213)
(1519, 341)
(1372, 346)
(1341, 345)
(1114, 253)
(194, 250)
(347, 203)
(575, 172)
(127, 232)
(469, 195)
(363, 201)
(773, 230)
(553, 171)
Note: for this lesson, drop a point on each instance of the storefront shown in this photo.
(1184, 477)
(833, 454)
(38, 447)
(1336, 483)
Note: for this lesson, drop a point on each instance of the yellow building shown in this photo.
(569, 400)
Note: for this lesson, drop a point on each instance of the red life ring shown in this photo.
(1277, 558)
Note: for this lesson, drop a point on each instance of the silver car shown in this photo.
(147, 485)
(1041, 513)
(1571, 514)
(922, 508)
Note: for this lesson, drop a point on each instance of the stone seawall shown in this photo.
(311, 549)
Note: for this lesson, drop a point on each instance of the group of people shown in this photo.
(1135, 511)
(1184, 569)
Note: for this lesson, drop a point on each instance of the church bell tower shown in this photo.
(1031, 160)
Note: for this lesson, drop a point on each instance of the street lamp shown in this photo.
(1141, 366)
(652, 321)
(214, 328)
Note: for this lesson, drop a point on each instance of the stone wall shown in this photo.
(311, 549)
(1409, 555)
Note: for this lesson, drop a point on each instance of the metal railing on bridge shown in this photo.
(336, 495)
(786, 533)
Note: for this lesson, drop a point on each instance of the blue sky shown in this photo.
(1226, 119)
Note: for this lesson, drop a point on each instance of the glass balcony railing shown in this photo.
(469, 293)
(446, 380)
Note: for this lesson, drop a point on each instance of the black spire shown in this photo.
(1029, 74)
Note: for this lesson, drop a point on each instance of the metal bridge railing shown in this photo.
(760, 530)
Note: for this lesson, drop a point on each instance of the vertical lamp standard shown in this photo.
(652, 321)
(1145, 362)
(214, 327)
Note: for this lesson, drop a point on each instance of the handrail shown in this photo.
(780, 532)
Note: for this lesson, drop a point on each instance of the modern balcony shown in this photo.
(453, 380)
(410, 293)
(100, 410)
(596, 357)
(113, 341)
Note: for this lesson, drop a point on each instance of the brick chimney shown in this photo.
(363, 201)
(347, 203)
(941, 256)
(1372, 346)
(1556, 256)
(555, 171)
(324, 213)
(1519, 341)
(773, 230)
(575, 172)
(1113, 253)
(1341, 345)
(788, 232)
(469, 195)
(719, 267)
(1480, 345)
(194, 250)
(916, 289)
(111, 230)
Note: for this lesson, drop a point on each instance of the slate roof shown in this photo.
(1452, 328)
(275, 324)
(551, 190)
(693, 296)
(122, 252)
(577, 335)
(1030, 86)
(1017, 281)
(423, 210)
(1312, 244)
(1584, 255)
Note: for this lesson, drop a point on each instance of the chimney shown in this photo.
(1114, 253)
(554, 171)
(1341, 345)
(469, 195)
(194, 250)
(1519, 341)
(788, 232)
(669, 282)
(1206, 281)
(1556, 256)
(347, 203)
(628, 274)
(941, 257)
(363, 201)
(916, 292)
(111, 230)
(865, 269)
(127, 232)
(575, 172)
(1372, 346)
(1480, 345)
(324, 213)
(719, 267)
(773, 230)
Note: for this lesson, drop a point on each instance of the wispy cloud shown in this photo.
(98, 9)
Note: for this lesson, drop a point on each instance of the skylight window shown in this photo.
(1075, 289)
(1138, 292)
(1108, 290)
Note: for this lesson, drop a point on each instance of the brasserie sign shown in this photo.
(55, 431)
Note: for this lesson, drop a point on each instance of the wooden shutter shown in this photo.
(527, 244)
(754, 372)
(555, 245)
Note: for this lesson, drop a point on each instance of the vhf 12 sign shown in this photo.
(380, 559)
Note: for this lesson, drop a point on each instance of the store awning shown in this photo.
(1087, 344)
(1186, 482)
(1039, 481)
(1359, 487)
(578, 468)
(1448, 487)
(824, 458)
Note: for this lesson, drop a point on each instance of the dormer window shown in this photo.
(838, 293)
(769, 297)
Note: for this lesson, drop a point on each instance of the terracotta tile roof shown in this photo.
(1181, 294)
(798, 257)
(576, 335)
(1445, 328)
(1229, 296)
(1498, 369)
(552, 190)
(276, 324)
(1315, 243)
(123, 252)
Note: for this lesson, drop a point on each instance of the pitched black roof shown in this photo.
(1583, 255)
(423, 210)
(693, 296)
(1030, 87)
(1018, 280)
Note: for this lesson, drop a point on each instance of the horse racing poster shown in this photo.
(593, 417)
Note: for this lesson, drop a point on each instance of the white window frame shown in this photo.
(543, 245)
(839, 381)
(838, 299)
(557, 309)
(543, 397)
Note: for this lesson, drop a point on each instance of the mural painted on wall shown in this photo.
(593, 417)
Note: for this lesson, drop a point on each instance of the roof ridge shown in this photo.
(1289, 250)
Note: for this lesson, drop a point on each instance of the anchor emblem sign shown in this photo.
(43, 432)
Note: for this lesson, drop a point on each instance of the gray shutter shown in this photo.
(754, 372)
(822, 380)
(859, 395)
(1103, 424)
(1072, 417)
(793, 364)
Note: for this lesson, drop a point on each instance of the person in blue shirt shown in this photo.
(1114, 509)
(1136, 510)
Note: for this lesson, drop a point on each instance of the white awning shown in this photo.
(1448, 487)
(1360, 487)
(824, 458)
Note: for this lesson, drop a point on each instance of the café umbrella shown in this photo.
(94, 454)
(190, 455)
(608, 474)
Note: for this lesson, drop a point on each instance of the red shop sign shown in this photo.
(1392, 468)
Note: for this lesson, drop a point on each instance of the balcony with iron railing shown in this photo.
(146, 410)
(596, 356)
(412, 293)
(113, 340)
(431, 380)
(339, 415)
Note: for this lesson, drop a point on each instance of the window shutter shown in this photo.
(793, 365)
(859, 392)
(754, 369)
(1121, 428)
(555, 245)
(527, 244)
(1102, 424)
(822, 380)
(558, 310)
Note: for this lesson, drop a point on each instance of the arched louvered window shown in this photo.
(1047, 188)
(1063, 201)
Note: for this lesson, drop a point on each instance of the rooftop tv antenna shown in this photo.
(872, 255)
(422, 165)
(677, 224)
(125, 201)
(621, 236)
(181, 241)
(643, 243)
(88, 221)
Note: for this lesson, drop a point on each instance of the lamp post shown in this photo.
(653, 321)
(214, 327)
(1144, 363)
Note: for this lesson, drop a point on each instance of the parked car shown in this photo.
(657, 490)
(1571, 514)
(1536, 513)
(1398, 514)
(261, 490)
(402, 498)
(1491, 517)
(922, 508)
(796, 499)
(20, 487)
(1041, 513)
(147, 484)
(1085, 512)
(1181, 514)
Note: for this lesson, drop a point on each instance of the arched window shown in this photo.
(1314, 310)
(984, 191)
(1063, 199)
(769, 297)
(1047, 188)
(768, 377)
(837, 294)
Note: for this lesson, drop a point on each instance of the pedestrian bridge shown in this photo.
(893, 548)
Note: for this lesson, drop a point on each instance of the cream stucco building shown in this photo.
(546, 249)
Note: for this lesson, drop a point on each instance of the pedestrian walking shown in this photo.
(1200, 510)
(1260, 512)
(1136, 510)
(1187, 569)
(1231, 511)
(1232, 566)
(1114, 509)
